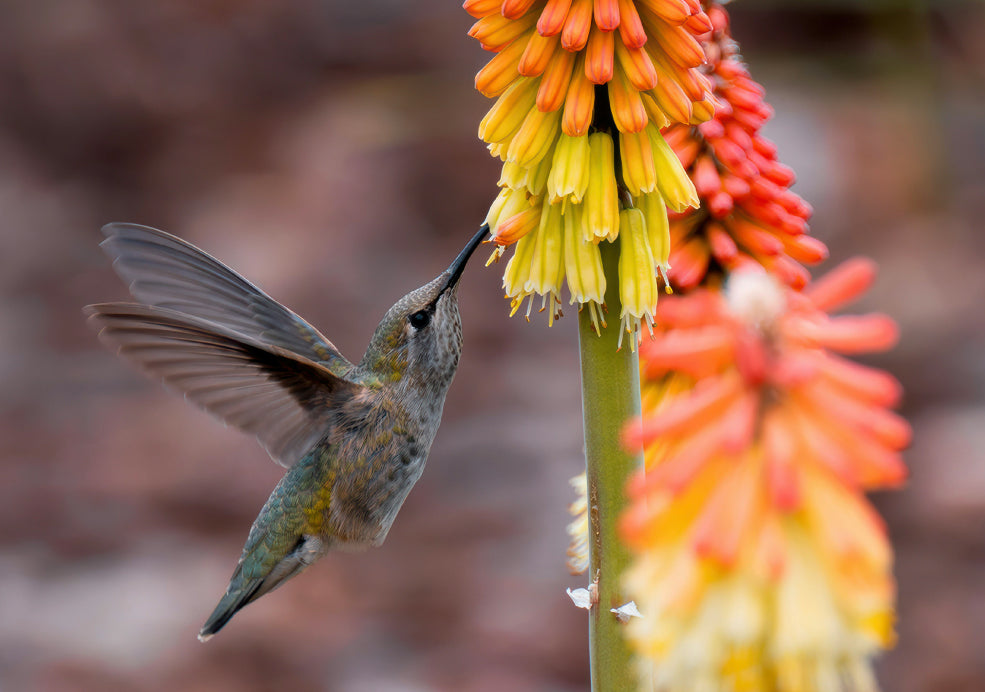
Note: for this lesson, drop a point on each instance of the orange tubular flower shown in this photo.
(761, 566)
(564, 72)
(748, 214)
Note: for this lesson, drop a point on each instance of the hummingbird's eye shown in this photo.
(420, 319)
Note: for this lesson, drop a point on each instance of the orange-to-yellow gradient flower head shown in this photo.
(760, 564)
(582, 89)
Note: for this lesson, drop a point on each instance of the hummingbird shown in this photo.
(353, 437)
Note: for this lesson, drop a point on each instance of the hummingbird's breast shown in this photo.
(379, 451)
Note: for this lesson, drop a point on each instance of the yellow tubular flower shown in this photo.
(498, 150)
(569, 170)
(534, 138)
(506, 204)
(637, 276)
(657, 117)
(512, 176)
(506, 116)
(547, 261)
(538, 175)
(657, 230)
(601, 217)
(675, 185)
(639, 171)
(517, 272)
(583, 266)
(537, 265)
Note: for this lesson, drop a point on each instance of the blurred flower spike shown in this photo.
(760, 564)
(582, 88)
(748, 214)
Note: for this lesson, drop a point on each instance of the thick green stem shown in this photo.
(610, 384)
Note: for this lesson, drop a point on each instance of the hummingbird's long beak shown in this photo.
(454, 272)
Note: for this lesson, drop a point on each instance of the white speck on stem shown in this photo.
(581, 598)
(627, 611)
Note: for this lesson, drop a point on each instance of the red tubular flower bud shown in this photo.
(514, 9)
(671, 11)
(727, 514)
(552, 17)
(782, 475)
(699, 23)
(700, 352)
(786, 270)
(496, 32)
(688, 263)
(627, 106)
(577, 25)
(705, 176)
(630, 27)
(845, 334)
(606, 14)
(742, 98)
(637, 65)
(805, 249)
(712, 129)
(861, 382)
(600, 56)
(763, 190)
(720, 204)
(555, 80)
(579, 103)
(843, 284)
(795, 205)
(493, 79)
(768, 150)
(735, 186)
(537, 54)
(723, 247)
(756, 239)
(738, 135)
(688, 414)
(481, 8)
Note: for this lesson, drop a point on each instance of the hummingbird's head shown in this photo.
(420, 337)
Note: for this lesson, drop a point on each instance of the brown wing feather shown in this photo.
(164, 271)
(283, 398)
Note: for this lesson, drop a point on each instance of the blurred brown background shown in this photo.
(327, 150)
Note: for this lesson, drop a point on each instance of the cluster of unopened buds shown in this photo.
(583, 88)
(748, 214)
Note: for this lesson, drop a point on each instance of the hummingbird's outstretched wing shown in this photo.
(167, 272)
(285, 399)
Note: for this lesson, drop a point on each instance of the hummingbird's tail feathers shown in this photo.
(284, 399)
(230, 604)
(165, 271)
(242, 591)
